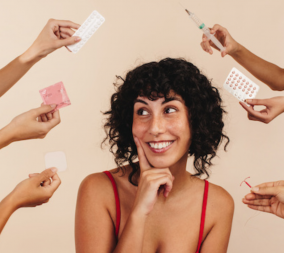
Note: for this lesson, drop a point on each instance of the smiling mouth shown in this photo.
(160, 146)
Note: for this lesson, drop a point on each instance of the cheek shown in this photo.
(181, 128)
(139, 128)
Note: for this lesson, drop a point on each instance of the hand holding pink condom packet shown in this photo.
(55, 94)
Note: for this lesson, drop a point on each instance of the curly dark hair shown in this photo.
(155, 80)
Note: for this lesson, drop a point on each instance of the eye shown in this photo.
(142, 112)
(170, 110)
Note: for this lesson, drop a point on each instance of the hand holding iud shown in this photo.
(55, 94)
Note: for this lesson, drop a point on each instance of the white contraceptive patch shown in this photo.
(87, 29)
(240, 86)
(56, 159)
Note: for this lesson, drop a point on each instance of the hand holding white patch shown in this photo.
(57, 160)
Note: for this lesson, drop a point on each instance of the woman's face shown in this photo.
(162, 127)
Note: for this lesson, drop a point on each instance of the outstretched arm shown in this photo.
(267, 72)
(31, 192)
(56, 34)
(33, 124)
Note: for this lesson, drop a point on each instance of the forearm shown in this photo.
(6, 136)
(14, 71)
(131, 239)
(265, 71)
(7, 208)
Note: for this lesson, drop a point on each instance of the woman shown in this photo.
(163, 112)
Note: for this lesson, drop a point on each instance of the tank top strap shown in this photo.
(117, 203)
(205, 197)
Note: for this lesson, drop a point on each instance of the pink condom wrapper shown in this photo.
(55, 94)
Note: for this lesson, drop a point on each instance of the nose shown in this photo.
(157, 126)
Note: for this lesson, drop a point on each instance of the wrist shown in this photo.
(6, 136)
(137, 214)
(30, 57)
(237, 50)
(137, 219)
(9, 204)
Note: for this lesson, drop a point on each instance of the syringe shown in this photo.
(205, 30)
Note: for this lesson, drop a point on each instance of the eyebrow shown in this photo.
(141, 101)
(164, 102)
(171, 99)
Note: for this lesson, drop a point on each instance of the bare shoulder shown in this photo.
(96, 186)
(220, 201)
(94, 181)
(95, 215)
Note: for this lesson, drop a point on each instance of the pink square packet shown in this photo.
(55, 94)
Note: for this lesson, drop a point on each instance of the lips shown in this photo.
(160, 146)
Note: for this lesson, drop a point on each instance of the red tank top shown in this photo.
(117, 204)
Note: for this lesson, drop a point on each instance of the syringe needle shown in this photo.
(181, 5)
(205, 30)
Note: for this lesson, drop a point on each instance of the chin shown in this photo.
(161, 162)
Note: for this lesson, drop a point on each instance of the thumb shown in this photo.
(68, 41)
(46, 174)
(256, 101)
(44, 109)
(266, 190)
(224, 52)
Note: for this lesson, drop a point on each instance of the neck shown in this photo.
(182, 177)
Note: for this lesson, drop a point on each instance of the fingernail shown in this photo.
(53, 106)
(255, 189)
(77, 39)
(54, 169)
(248, 100)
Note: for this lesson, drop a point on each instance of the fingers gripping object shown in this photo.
(244, 181)
(240, 86)
(205, 30)
(89, 27)
(55, 94)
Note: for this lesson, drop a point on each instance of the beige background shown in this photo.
(135, 32)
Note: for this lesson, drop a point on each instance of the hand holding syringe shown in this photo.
(205, 30)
